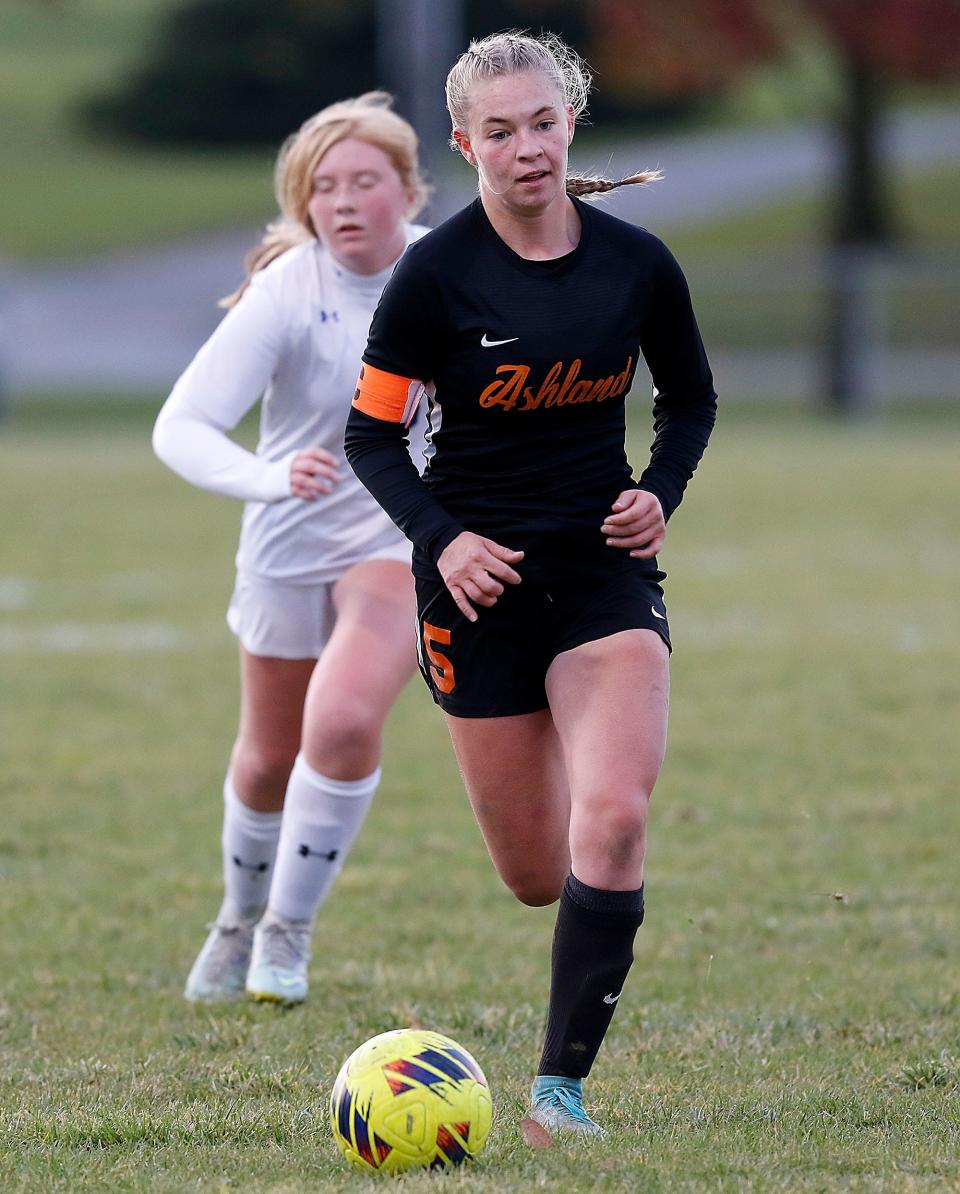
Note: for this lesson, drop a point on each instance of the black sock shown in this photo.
(592, 952)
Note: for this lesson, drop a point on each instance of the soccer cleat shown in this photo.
(557, 1105)
(278, 967)
(221, 966)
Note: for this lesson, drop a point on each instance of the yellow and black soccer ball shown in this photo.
(410, 1099)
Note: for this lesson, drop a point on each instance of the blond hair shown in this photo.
(368, 117)
(515, 52)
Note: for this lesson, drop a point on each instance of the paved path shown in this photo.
(133, 320)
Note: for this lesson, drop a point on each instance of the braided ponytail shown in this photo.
(584, 186)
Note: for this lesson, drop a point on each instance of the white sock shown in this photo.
(249, 843)
(321, 818)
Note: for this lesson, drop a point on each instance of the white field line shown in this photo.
(21, 591)
(752, 630)
(80, 638)
(16, 592)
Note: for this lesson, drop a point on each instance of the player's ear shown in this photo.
(571, 123)
(463, 144)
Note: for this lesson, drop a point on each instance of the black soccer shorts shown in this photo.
(497, 666)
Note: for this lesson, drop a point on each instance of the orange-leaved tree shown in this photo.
(707, 45)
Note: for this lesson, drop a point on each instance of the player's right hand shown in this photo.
(475, 570)
(312, 472)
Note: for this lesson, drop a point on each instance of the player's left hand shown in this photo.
(636, 522)
(313, 472)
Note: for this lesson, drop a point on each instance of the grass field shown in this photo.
(65, 194)
(792, 1019)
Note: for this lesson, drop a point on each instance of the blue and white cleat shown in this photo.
(278, 966)
(220, 970)
(557, 1105)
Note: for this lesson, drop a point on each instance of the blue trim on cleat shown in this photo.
(557, 1105)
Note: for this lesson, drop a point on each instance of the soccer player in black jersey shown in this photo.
(542, 630)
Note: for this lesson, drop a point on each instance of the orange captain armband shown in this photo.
(386, 396)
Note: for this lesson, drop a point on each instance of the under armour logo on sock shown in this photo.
(305, 852)
(257, 867)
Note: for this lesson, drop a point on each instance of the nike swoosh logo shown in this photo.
(488, 343)
(612, 998)
(656, 615)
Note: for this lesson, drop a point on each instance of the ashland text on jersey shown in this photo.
(525, 366)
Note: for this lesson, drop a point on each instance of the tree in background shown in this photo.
(249, 71)
(877, 42)
(246, 72)
(619, 95)
(693, 44)
(241, 72)
(688, 47)
(708, 45)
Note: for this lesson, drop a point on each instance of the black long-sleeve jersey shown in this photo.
(526, 366)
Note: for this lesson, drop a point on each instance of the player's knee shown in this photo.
(265, 766)
(536, 895)
(620, 827)
(347, 728)
(534, 890)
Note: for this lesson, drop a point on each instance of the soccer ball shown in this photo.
(409, 1099)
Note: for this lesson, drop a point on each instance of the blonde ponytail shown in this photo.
(584, 186)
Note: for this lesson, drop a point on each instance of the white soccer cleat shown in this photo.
(557, 1105)
(220, 970)
(278, 966)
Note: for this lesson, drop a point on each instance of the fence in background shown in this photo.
(775, 324)
(769, 321)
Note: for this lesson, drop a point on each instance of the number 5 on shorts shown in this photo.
(441, 669)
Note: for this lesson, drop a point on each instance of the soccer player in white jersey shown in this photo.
(324, 599)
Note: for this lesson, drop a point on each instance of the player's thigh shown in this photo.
(610, 699)
(513, 771)
(371, 652)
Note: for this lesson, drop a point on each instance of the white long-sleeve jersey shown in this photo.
(295, 338)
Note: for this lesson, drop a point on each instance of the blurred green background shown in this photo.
(811, 155)
(792, 1021)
